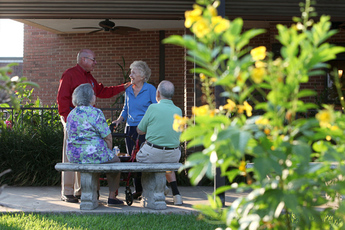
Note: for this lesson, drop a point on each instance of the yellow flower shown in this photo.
(200, 111)
(259, 53)
(230, 106)
(325, 117)
(277, 62)
(193, 16)
(242, 166)
(258, 75)
(248, 108)
(212, 10)
(334, 127)
(213, 112)
(328, 138)
(240, 109)
(201, 28)
(267, 131)
(179, 123)
(299, 26)
(202, 76)
(213, 79)
(262, 121)
(260, 64)
(220, 24)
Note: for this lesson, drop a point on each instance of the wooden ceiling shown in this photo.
(158, 9)
(162, 11)
(73, 9)
(276, 10)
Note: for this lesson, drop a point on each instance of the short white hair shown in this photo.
(143, 68)
(83, 53)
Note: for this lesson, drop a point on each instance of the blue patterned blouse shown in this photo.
(86, 127)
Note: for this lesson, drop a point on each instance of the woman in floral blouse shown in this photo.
(89, 137)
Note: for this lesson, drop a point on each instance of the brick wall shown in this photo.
(48, 55)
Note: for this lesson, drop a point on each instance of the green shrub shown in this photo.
(281, 182)
(31, 152)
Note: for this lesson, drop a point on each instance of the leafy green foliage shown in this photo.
(10, 88)
(284, 182)
(31, 151)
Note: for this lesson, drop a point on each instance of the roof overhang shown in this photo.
(60, 16)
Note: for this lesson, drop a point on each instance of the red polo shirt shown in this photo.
(71, 79)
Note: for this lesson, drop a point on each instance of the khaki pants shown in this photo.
(153, 155)
(70, 181)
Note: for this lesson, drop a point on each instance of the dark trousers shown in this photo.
(131, 132)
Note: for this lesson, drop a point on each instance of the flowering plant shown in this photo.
(11, 89)
(284, 188)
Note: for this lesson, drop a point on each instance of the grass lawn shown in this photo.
(23, 221)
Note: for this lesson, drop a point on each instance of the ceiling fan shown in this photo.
(108, 25)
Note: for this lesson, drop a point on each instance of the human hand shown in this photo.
(116, 122)
(126, 85)
(116, 159)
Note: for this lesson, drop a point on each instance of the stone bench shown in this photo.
(153, 180)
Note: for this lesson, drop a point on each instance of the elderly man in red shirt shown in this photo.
(71, 79)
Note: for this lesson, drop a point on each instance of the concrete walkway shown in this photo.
(47, 200)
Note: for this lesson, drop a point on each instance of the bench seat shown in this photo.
(153, 180)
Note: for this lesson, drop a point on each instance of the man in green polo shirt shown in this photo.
(162, 142)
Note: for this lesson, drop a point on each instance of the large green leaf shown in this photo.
(306, 93)
(191, 132)
(265, 167)
(187, 41)
(237, 137)
(200, 165)
(246, 36)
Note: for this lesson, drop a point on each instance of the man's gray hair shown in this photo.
(82, 95)
(83, 53)
(143, 68)
(166, 89)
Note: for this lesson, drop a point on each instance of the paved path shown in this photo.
(47, 200)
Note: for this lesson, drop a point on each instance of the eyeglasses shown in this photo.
(92, 59)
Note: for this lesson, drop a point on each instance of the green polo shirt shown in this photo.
(157, 123)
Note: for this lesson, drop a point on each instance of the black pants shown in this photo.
(131, 132)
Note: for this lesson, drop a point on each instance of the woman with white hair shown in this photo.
(138, 97)
(89, 138)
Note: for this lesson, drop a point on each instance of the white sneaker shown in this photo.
(166, 190)
(177, 200)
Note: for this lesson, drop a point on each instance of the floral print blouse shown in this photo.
(86, 127)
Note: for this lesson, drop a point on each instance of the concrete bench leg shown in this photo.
(153, 190)
(88, 200)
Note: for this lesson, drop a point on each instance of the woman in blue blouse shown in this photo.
(138, 97)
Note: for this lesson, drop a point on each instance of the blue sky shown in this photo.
(11, 38)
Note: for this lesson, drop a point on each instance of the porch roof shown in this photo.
(60, 13)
